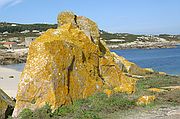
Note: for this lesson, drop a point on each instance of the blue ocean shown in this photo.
(164, 60)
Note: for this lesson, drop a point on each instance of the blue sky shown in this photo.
(130, 16)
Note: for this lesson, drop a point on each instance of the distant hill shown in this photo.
(122, 36)
(14, 27)
(9, 30)
(132, 37)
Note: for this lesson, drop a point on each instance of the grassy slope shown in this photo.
(100, 106)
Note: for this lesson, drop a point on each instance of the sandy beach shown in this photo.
(9, 79)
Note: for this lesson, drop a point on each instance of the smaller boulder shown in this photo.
(130, 67)
(145, 100)
(158, 90)
(6, 105)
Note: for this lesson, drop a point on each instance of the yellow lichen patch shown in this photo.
(89, 27)
(66, 17)
(171, 88)
(130, 67)
(129, 88)
(162, 73)
(5, 101)
(118, 89)
(3, 105)
(145, 100)
(156, 90)
(108, 92)
(149, 69)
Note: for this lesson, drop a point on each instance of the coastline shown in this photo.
(9, 79)
(16, 56)
(147, 48)
(144, 45)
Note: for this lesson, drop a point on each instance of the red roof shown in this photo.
(9, 43)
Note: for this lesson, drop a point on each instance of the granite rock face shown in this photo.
(130, 67)
(68, 63)
(89, 27)
(5, 103)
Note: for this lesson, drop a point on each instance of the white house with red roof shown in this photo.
(9, 45)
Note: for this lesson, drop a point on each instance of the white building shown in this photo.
(26, 31)
(13, 25)
(28, 40)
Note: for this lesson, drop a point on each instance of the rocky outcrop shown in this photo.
(145, 100)
(143, 42)
(7, 58)
(130, 67)
(6, 105)
(144, 45)
(69, 63)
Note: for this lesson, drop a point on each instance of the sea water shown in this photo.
(164, 60)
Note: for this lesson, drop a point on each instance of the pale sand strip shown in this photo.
(7, 84)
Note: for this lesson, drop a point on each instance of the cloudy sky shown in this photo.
(132, 16)
(9, 3)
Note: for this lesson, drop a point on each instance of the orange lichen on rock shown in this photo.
(3, 107)
(171, 88)
(156, 90)
(145, 100)
(130, 67)
(108, 92)
(66, 64)
(5, 102)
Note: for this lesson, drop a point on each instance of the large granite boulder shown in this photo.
(66, 64)
(6, 104)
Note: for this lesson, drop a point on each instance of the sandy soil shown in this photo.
(161, 112)
(9, 80)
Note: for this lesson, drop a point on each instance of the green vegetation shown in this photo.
(99, 105)
(90, 108)
(26, 114)
(132, 37)
(171, 97)
(124, 36)
(22, 27)
(14, 30)
(2, 47)
(170, 37)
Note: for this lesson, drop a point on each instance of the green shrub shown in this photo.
(87, 115)
(63, 111)
(43, 113)
(2, 47)
(26, 114)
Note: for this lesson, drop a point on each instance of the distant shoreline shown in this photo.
(145, 45)
(147, 48)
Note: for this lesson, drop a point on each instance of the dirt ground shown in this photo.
(160, 112)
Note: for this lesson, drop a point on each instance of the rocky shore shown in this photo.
(144, 45)
(8, 57)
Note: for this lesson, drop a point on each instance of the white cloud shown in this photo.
(9, 3)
